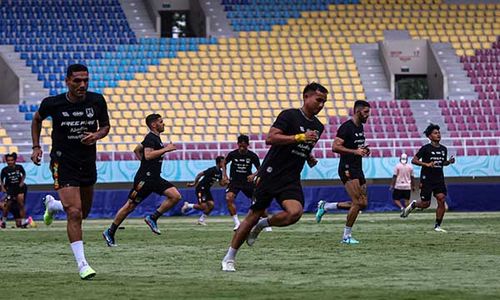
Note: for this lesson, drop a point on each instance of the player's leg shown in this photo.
(230, 197)
(121, 215)
(239, 237)
(172, 197)
(21, 207)
(292, 211)
(440, 211)
(5, 213)
(423, 203)
(396, 198)
(358, 195)
(71, 198)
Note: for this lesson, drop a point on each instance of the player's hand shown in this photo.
(451, 160)
(391, 188)
(430, 164)
(223, 182)
(170, 147)
(367, 150)
(312, 161)
(361, 152)
(190, 184)
(250, 177)
(90, 138)
(311, 136)
(36, 156)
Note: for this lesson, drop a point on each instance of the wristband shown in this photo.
(300, 137)
(36, 147)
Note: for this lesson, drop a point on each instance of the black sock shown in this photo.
(113, 228)
(156, 215)
(438, 222)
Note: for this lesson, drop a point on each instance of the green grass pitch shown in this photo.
(397, 259)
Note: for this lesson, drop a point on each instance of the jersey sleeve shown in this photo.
(45, 109)
(229, 157)
(420, 152)
(148, 142)
(21, 169)
(282, 122)
(395, 173)
(3, 175)
(342, 132)
(104, 116)
(256, 161)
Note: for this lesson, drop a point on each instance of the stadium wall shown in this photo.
(184, 170)
(461, 197)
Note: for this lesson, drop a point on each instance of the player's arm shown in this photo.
(312, 161)
(23, 177)
(416, 161)
(393, 182)
(413, 186)
(2, 186)
(92, 137)
(196, 179)
(150, 153)
(338, 147)
(227, 160)
(277, 137)
(256, 163)
(138, 151)
(449, 161)
(36, 129)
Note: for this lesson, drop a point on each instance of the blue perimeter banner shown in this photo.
(326, 169)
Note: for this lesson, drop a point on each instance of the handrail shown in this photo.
(185, 150)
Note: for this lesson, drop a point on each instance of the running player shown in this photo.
(292, 138)
(403, 182)
(79, 120)
(12, 183)
(432, 158)
(203, 193)
(147, 180)
(241, 176)
(350, 144)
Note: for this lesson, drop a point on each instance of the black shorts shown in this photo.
(266, 192)
(401, 194)
(204, 194)
(427, 189)
(351, 174)
(143, 187)
(235, 187)
(14, 191)
(13, 206)
(67, 173)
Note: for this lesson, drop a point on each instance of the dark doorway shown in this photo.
(175, 24)
(412, 87)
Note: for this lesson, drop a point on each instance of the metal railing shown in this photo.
(208, 150)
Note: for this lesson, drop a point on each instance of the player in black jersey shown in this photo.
(79, 120)
(432, 158)
(240, 175)
(147, 180)
(292, 138)
(12, 183)
(350, 144)
(202, 190)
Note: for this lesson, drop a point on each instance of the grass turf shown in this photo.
(397, 259)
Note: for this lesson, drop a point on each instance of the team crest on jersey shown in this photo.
(302, 129)
(89, 112)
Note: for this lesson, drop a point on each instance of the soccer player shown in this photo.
(147, 180)
(350, 144)
(241, 176)
(79, 119)
(12, 183)
(403, 182)
(292, 138)
(432, 158)
(324, 207)
(203, 193)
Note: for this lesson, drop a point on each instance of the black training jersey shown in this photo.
(11, 177)
(152, 167)
(283, 163)
(241, 165)
(70, 121)
(438, 155)
(354, 138)
(210, 176)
